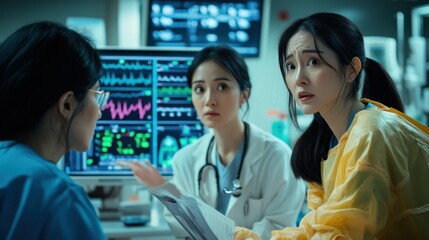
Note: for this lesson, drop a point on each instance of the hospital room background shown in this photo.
(150, 114)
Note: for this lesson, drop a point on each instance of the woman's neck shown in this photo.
(44, 140)
(47, 148)
(228, 140)
(339, 116)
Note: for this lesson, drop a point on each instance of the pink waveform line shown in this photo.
(122, 109)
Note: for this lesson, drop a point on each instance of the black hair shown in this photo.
(345, 39)
(229, 59)
(38, 64)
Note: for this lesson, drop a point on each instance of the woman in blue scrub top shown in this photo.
(239, 169)
(49, 103)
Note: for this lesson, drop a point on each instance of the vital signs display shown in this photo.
(149, 115)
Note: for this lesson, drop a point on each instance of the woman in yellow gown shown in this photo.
(366, 162)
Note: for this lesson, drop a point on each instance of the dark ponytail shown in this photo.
(379, 86)
(310, 149)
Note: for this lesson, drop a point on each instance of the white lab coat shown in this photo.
(273, 194)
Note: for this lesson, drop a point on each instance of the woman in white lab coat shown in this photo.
(238, 168)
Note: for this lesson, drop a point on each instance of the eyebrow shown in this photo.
(305, 51)
(216, 79)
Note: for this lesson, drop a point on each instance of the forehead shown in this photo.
(210, 70)
(300, 41)
(210, 65)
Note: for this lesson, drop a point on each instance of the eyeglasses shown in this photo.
(102, 97)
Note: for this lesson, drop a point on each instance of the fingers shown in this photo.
(149, 165)
(140, 170)
(144, 171)
(123, 164)
(135, 165)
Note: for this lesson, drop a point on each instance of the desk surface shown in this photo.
(116, 229)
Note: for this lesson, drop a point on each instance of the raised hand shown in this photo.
(144, 172)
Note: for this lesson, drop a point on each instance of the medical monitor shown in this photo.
(149, 115)
(195, 23)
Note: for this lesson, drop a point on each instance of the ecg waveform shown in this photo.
(124, 65)
(171, 78)
(143, 93)
(174, 66)
(174, 101)
(130, 79)
(126, 110)
(174, 91)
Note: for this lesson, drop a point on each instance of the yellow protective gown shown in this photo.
(375, 183)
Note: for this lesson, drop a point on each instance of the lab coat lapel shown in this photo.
(252, 156)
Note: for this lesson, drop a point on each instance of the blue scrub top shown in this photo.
(227, 175)
(39, 201)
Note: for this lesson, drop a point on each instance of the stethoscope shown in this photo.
(236, 185)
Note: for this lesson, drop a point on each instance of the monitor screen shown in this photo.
(149, 114)
(195, 23)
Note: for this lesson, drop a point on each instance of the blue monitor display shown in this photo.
(195, 23)
(149, 114)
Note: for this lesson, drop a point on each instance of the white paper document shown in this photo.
(200, 220)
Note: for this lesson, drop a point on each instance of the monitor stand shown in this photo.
(106, 199)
